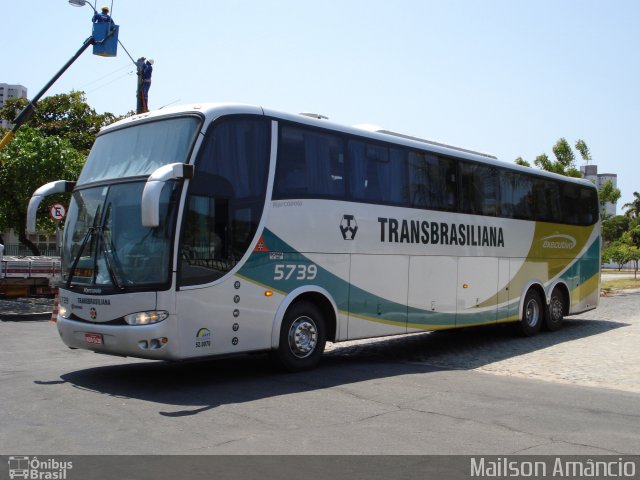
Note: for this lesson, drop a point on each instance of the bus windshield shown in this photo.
(140, 149)
(105, 244)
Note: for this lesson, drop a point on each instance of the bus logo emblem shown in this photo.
(203, 338)
(559, 242)
(348, 227)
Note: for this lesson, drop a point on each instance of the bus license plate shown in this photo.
(93, 338)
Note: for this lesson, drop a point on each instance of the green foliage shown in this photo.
(633, 207)
(614, 227)
(618, 253)
(625, 250)
(564, 163)
(66, 115)
(51, 146)
(563, 153)
(632, 236)
(542, 161)
(581, 146)
(29, 161)
(607, 193)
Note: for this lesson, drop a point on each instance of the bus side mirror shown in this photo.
(150, 207)
(59, 186)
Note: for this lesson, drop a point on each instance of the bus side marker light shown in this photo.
(268, 293)
(465, 285)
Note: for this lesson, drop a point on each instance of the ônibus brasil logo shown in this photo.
(560, 242)
(33, 468)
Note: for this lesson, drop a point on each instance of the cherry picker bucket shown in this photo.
(106, 39)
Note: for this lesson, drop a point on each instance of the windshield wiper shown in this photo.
(72, 271)
(108, 258)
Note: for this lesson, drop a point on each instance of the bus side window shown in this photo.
(571, 207)
(505, 205)
(523, 199)
(310, 164)
(589, 206)
(377, 174)
(547, 200)
(478, 189)
(432, 182)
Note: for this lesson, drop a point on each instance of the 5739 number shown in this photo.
(298, 272)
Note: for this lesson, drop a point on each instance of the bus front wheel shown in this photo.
(532, 314)
(302, 337)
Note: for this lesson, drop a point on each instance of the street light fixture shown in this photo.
(82, 3)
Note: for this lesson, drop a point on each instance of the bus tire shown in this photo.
(532, 314)
(302, 337)
(557, 306)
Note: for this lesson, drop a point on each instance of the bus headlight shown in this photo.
(146, 318)
(64, 311)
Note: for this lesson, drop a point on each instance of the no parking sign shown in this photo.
(57, 212)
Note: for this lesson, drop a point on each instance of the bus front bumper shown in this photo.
(157, 341)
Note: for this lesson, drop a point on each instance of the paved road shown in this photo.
(600, 348)
(478, 391)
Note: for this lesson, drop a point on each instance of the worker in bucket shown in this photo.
(102, 17)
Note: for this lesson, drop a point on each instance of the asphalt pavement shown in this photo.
(473, 391)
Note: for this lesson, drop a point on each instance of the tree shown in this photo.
(607, 193)
(632, 236)
(66, 115)
(631, 240)
(633, 207)
(581, 146)
(618, 253)
(564, 164)
(613, 227)
(28, 162)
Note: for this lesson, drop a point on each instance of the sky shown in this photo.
(506, 77)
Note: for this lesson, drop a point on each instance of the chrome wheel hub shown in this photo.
(303, 337)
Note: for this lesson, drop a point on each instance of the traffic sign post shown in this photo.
(57, 212)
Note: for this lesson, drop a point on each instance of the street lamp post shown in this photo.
(26, 113)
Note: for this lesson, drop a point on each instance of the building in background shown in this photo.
(590, 172)
(10, 91)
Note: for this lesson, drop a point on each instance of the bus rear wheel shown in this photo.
(532, 314)
(302, 338)
(554, 319)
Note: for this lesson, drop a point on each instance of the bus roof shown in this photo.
(211, 111)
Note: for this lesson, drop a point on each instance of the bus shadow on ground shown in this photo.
(209, 384)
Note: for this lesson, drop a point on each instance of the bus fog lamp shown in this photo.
(63, 311)
(146, 318)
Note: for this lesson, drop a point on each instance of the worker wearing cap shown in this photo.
(147, 70)
(102, 17)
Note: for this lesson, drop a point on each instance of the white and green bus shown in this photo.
(220, 229)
